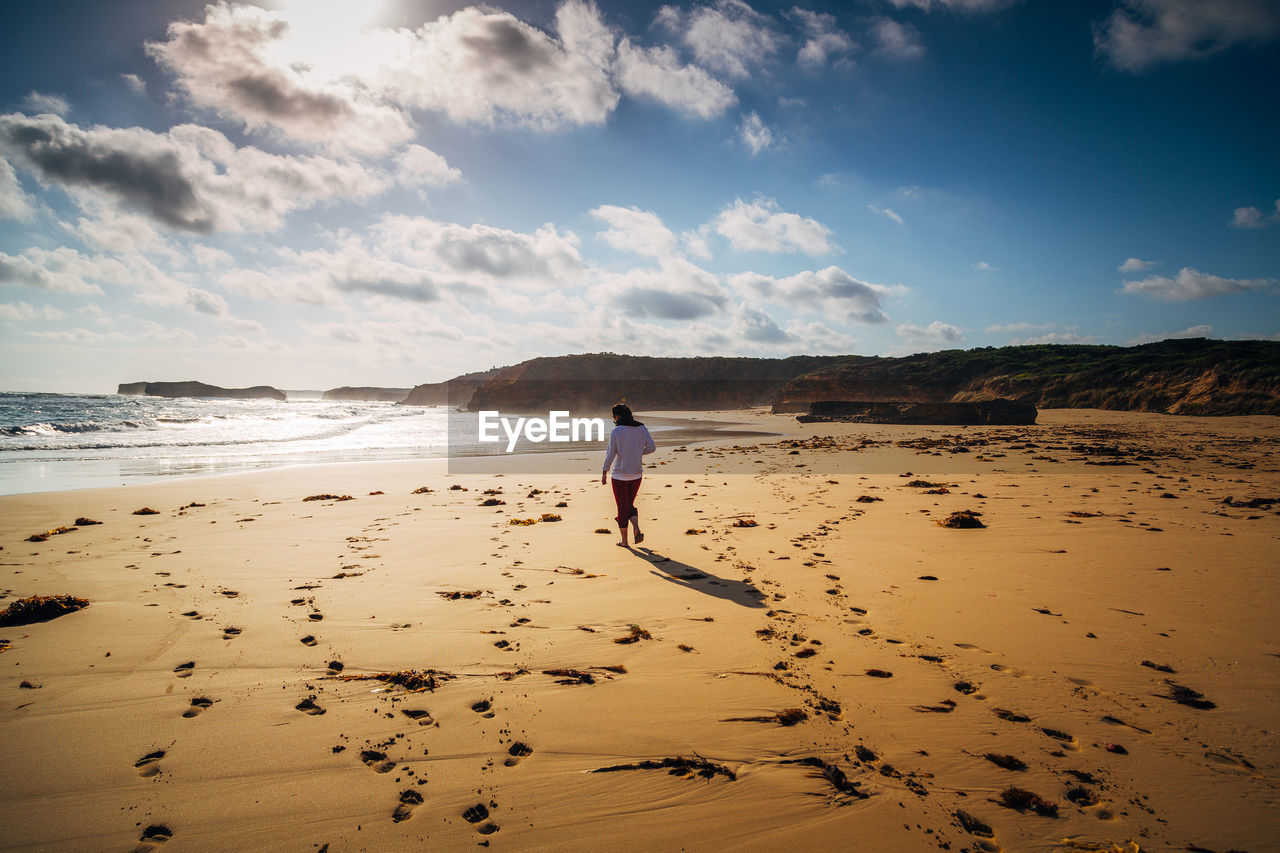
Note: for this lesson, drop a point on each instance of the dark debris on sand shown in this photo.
(413, 680)
(964, 519)
(1020, 799)
(41, 608)
(328, 497)
(678, 766)
(1184, 695)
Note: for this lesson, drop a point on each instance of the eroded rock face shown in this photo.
(983, 412)
(199, 389)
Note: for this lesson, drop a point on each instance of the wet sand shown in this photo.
(799, 654)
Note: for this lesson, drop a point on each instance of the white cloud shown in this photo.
(695, 242)
(135, 83)
(936, 333)
(1192, 284)
(1252, 217)
(482, 253)
(728, 37)
(482, 65)
(61, 270)
(40, 102)
(1056, 338)
(22, 312)
(895, 39)
(1004, 328)
(149, 332)
(1135, 265)
(190, 178)
(887, 212)
(1142, 33)
(656, 74)
(635, 230)
(676, 290)
(1202, 331)
(755, 134)
(824, 40)
(831, 291)
(422, 166)
(207, 256)
(226, 63)
(759, 226)
(983, 266)
(14, 203)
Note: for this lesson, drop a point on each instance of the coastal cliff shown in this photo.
(592, 383)
(455, 392)
(1192, 376)
(199, 389)
(366, 395)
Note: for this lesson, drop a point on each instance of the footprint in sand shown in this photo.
(478, 815)
(518, 751)
(183, 670)
(336, 666)
(309, 706)
(152, 837)
(193, 614)
(147, 764)
(423, 716)
(377, 760)
(484, 708)
(200, 703)
(308, 640)
(409, 800)
(230, 633)
(1068, 742)
(315, 617)
(229, 593)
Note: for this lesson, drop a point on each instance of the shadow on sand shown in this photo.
(690, 577)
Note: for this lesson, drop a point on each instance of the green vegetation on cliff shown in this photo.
(1193, 376)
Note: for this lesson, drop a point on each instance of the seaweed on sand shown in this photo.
(413, 680)
(1023, 800)
(41, 608)
(832, 774)
(678, 766)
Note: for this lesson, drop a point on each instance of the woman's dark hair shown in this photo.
(622, 412)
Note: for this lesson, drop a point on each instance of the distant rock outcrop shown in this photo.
(199, 389)
(988, 412)
(367, 395)
(1192, 376)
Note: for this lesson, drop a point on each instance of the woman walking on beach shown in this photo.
(628, 444)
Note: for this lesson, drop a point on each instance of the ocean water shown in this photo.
(54, 442)
(51, 442)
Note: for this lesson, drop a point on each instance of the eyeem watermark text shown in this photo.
(556, 427)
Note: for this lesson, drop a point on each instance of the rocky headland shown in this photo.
(199, 389)
(366, 394)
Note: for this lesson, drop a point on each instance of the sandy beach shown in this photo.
(799, 655)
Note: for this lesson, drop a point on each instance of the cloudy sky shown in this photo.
(316, 193)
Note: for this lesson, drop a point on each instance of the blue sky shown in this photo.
(314, 194)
